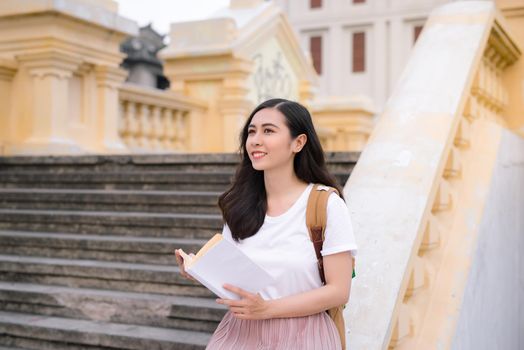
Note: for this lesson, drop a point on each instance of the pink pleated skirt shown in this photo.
(314, 332)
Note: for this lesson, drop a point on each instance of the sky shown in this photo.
(163, 12)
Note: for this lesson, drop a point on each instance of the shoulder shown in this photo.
(336, 203)
(334, 200)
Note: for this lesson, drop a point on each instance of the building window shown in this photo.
(359, 52)
(315, 46)
(416, 32)
(315, 4)
(359, 1)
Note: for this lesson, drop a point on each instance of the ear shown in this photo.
(299, 142)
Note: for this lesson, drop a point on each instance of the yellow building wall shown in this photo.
(513, 11)
(62, 91)
(273, 75)
(60, 63)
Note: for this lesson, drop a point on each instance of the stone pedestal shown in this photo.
(62, 86)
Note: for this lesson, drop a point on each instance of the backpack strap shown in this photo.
(316, 220)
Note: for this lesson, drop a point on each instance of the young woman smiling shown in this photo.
(264, 212)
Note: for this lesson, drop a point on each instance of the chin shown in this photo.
(257, 167)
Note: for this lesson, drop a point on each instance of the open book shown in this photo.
(219, 262)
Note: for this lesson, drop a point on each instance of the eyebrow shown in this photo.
(263, 125)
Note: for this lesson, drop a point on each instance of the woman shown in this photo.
(265, 216)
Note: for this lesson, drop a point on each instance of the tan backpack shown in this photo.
(316, 220)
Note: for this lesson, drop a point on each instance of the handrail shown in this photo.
(156, 121)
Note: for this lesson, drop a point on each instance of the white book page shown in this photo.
(225, 263)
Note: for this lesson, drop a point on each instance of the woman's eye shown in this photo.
(266, 131)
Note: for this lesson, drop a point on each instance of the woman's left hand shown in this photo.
(249, 307)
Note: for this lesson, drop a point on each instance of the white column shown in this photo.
(6, 76)
(334, 60)
(324, 78)
(108, 80)
(234, 114)
(46, 118)
(395, 51)
(380, 62)
(234, 108)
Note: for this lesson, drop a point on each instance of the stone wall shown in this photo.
(492, 316)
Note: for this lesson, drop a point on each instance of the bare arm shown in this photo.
(337, 269)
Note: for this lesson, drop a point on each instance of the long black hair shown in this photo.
(244, 204)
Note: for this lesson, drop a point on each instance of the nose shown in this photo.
(255, 139)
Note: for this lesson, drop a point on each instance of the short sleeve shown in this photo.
(339, 230)
(226, 233)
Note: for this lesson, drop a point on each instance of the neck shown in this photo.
(279, 182)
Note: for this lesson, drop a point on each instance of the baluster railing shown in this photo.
(418, 190)
(156, 121)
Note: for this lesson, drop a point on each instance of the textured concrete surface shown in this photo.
(97, 333)
(394, 179)
(75, 249)
(492, 315)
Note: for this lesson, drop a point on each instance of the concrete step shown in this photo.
(144, 180)
(144, 250)
(208, 162)
(59, 333)
(209, 172)
(197, 314)
(87, 249)
(217, 182)
(114, 223)
(129, 277)
(202, 202)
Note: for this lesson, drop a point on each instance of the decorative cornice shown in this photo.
(111, 77)
(269, 23)
(53, 62)
(501, 49)
(79, 10)
(8, 69)
(161, 98)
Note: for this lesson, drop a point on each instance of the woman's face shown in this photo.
(269, 143)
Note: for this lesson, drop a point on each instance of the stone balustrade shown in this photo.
(59, 83)
(153, 121)
(420, 186)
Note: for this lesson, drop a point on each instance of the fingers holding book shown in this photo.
(218, 261)
(180, 256)
(251, 306)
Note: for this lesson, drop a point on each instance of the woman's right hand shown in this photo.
(180, 262)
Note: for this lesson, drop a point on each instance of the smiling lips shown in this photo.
(258, 155)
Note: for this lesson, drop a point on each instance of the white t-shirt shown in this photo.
(283, 248)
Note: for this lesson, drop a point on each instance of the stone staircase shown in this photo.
(86, 249)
